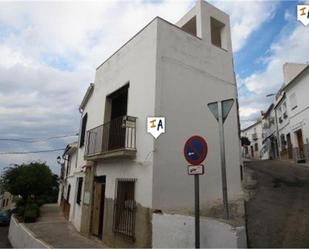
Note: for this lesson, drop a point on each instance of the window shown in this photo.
(293, 101)
(79, 190)
(256, 147)
(218, 37)
(190, 26)
(83, 131)
(124, 208)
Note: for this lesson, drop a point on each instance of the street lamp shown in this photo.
(61, 160)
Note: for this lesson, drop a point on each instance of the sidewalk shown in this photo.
(57, 232)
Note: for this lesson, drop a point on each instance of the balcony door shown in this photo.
(118, 108)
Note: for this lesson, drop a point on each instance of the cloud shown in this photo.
(291, 47)
(246, 17)
(49, 52)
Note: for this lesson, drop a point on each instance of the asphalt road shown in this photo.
(277, 210)
(4, 242)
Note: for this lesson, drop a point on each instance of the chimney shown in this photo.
(291, 70)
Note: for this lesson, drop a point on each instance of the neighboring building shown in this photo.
(285, 143)
(290, 131)
(6, 201)
(137, 192)
(269, 134)
(254, 135)
(296, 91)
(71, 186)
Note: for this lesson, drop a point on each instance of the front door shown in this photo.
(300, 143)
(98, 207)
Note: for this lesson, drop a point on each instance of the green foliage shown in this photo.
(31, 213)
(30, 181)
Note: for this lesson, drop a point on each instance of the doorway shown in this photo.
(300, 142)
(115, 110)
(290, 147)
(98, 206)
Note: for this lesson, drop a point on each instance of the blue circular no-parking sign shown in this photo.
(195, 150)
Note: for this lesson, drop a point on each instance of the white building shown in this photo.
(290, 112)
(137, 192)
(6, 201)
(269, 135)
(295, 92)
(254, 134)
(71, 186)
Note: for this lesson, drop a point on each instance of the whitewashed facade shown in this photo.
(296, 130)
(288, 137)
(132, 181)
(269, 134)
(71, 186)
(254, 134)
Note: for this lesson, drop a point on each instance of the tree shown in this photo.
(30, 180)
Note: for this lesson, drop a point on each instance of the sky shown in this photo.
(50, 50)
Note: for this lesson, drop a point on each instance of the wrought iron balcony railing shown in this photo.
(118, 134)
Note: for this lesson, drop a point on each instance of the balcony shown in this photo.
(114, 139)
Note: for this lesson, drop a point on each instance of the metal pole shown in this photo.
(197, 210)
(223, 164)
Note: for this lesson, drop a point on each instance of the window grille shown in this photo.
(125, 208)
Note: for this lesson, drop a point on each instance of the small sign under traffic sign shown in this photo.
(195, 169)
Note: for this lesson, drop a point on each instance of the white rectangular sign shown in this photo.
(196, 169)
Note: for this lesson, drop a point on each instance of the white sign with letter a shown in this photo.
(155, 126)
(303, 14)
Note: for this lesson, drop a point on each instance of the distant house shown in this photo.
(254, 134)
(71, 185)
(6, 201)
(269, 134)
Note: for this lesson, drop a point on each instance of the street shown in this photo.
(277, 209)
(4, 242)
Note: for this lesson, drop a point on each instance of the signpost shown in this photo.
(195, 152)
(220, 110)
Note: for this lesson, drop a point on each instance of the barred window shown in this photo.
(124, 208)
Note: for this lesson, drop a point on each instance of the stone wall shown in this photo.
(20, 237)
